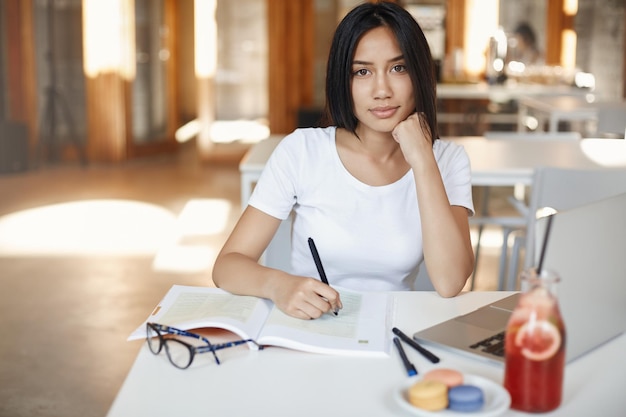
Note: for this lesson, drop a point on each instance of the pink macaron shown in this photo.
(450, 377)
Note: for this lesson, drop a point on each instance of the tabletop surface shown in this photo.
(282, 382)
(504, 161)
(504, 92)
(560, 103)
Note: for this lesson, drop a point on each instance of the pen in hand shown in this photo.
(426, 353)
(318, 265)
(410, 369)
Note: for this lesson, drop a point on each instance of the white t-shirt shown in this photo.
(369, 237)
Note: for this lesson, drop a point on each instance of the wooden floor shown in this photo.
(85, 253)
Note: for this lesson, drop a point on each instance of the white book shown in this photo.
(362, 327)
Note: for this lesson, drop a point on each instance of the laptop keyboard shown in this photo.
(493, 345)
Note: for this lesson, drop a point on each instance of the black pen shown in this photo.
(410, 369)
(318, 265)
(426, 353)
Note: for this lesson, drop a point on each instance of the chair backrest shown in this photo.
(563, 189)
(611, 119)
(278, 253)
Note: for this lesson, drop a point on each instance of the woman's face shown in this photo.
(381, 86)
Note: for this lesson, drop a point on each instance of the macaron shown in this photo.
(465, 398)
(429, 395)
(450, 377)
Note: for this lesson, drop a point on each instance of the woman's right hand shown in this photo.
(305, 298)
(237, 271)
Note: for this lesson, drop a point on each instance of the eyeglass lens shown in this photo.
(179, 353)
(154, 342)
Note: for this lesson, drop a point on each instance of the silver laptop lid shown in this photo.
(587, 248)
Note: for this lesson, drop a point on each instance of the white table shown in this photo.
(497, 93)
(507, 162)
(503, 93)
(555, 109)
(495, 162)
(279, 382)
(253, 162)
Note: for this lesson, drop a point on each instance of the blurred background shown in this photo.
(108, 81)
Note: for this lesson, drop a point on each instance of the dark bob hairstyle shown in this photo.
(339, 109)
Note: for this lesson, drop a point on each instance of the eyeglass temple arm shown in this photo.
(212, 347)
(178, 332)
(236, 343)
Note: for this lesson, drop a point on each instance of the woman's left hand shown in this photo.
(414, 138)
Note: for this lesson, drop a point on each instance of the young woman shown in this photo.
(376, 190)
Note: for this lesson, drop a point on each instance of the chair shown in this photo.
(562, 189)
(509, 224)
(611, 119)
(278, 252)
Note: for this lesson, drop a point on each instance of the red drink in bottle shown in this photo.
(535, 347)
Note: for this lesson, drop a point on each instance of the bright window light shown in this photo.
(109, 39)
(481, 22)
(570, 7)
(205, 38)
(568, 50)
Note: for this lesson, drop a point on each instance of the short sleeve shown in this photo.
(455, 169)
(275, 192)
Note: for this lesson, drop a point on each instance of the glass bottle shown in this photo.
(535, 345)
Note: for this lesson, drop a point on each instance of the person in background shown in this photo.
(376, 189)
(526, 49)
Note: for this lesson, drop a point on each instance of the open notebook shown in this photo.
(587, 248)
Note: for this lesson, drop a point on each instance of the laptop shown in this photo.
(587, 248)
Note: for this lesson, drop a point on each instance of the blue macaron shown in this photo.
(465, 398)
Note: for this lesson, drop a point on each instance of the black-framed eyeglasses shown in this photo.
(181, 353)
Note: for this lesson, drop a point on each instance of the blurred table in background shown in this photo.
(470, 109)
(504, 92)
(555, 109)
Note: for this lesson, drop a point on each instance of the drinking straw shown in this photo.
(544, 244)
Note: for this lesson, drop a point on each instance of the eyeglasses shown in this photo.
(180, 353)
